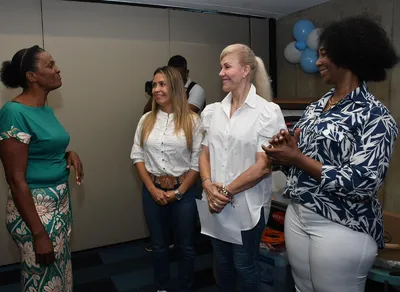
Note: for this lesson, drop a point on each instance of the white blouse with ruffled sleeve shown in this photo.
(165, 152)
(233, 143)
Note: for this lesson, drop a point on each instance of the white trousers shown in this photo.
(326, 256)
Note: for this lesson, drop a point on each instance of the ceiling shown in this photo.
(261, 8)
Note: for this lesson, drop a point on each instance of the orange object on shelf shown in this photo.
(273, 237)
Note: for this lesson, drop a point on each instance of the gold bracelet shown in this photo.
(203, 180)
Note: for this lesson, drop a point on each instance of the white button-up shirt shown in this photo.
(164, 152)
(233, 143)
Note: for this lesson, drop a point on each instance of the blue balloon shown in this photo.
(301, 46)
(302, 29)
(308, 61)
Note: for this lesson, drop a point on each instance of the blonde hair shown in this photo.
(258, 74)
(183, 116)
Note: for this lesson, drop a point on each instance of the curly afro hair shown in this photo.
(360, 45)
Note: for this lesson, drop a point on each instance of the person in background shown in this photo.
(337, 161)
(147, 106)
(194, 92)
(165, 153)
(33, 151)
(234, 168)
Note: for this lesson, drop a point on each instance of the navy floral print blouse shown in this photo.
(354, 142)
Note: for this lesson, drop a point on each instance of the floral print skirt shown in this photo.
(54, 209)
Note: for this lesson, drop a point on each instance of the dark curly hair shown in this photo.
(360, 45)
(13, 73)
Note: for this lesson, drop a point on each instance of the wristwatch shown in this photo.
(178, 195)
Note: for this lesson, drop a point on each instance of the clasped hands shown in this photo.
(283, 149)
(162, 197)
(216, 200)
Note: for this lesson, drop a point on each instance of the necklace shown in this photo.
(331, 104)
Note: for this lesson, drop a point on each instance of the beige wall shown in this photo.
(106, 53)
(100, 103)
(294, 83)
(15, 33)
(200, 38)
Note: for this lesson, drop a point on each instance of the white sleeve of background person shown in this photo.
(197, 96)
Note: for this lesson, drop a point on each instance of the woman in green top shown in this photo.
(33, 150)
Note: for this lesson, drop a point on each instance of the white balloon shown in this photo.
(313, 39)
(292, 54)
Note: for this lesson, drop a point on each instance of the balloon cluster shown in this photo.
(304, 49)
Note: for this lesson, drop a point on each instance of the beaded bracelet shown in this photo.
(227, 193)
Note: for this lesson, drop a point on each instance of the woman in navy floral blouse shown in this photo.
(336, 162)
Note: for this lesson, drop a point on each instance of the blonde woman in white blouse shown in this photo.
(166, 152)
(234, 168)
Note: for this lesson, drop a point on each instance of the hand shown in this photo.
(287, 153)
(74, 161)
(43, 249)
(171, 197)
(279, 139)
(216, 200)
(159, 196)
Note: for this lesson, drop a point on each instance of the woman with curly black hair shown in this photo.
(336, 162)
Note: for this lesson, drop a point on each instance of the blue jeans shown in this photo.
(180, 216)
(233, 259)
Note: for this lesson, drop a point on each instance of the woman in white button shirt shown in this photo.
(165, 152)
(234, 168)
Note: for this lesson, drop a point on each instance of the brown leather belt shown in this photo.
(168, 181)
